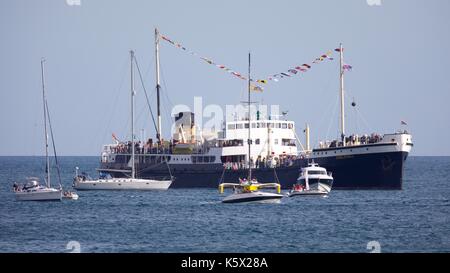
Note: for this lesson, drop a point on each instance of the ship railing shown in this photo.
(353, 140)
(276, 162)
(155, 150)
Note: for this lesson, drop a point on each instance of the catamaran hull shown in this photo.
(123, 185)
(253, 197)
(39, 196)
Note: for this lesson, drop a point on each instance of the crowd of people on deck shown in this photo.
(262, 162)
(143, 148)
(353, 140)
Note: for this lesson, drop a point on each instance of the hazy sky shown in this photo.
(399, 51)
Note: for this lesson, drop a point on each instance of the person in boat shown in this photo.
(15, 186)
(243, 181)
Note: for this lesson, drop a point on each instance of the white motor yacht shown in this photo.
(313, 180)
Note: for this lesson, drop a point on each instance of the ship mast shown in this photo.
(249, 125)
(342, 125)
(45, 123)
(132, 115)
(158, 86)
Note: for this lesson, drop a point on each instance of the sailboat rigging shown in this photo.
(248, 190)
(83, 182)
(32, 190)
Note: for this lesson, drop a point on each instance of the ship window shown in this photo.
(257, 141)
(258, 125)
(284, 126)
(231, 126)
(275, 141)
(246, 126)
(290, 125)
(239, 126)
(194, 159)
(253, 125)
(278, 125)
(263, 125)
(200, 159)
(212, 159)
(288, 142)
(206, 159)
(270, 125)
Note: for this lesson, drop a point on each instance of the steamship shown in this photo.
(204, 159)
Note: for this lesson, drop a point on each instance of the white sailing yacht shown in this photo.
(32, 190)
(83, 182)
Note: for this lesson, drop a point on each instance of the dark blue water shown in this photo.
(416, 219)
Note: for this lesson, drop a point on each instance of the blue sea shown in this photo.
(415, 219)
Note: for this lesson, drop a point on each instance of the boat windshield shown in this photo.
(317, 172)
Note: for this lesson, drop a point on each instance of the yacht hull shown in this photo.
(122, 184)
(45, 195)
(253, 197)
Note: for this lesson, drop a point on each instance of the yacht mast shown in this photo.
(45, 123)
(249, 125)
(341, 51)
(132, 115)
(158, 86)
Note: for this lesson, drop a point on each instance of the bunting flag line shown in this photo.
(207, 60)
(296, 70)
(301, 68)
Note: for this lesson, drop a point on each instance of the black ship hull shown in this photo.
(378, 171)
(381, 171)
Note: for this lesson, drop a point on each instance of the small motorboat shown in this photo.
(249, 191)
(70, 195)
(313, 181)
